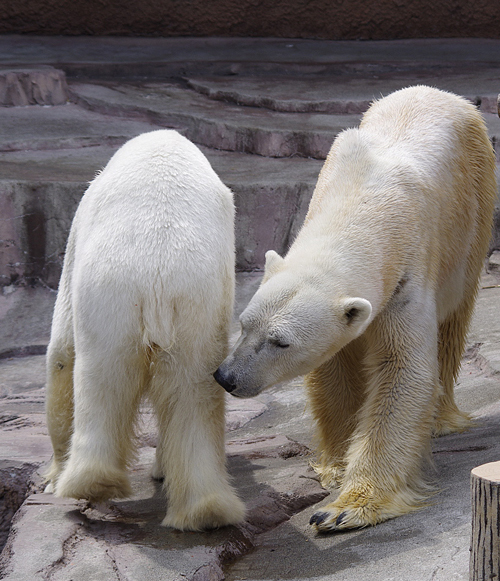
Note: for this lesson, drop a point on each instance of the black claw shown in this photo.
(340, 518)
(318, 517)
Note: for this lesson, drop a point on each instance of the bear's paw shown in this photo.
(332, 518)
(354, 511)
(93, 486)
(450, 420)
(210, 512)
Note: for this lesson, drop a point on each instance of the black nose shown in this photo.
(221, 380)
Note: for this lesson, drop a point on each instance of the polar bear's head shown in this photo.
(292, 325)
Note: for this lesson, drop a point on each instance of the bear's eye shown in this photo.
(280, 343)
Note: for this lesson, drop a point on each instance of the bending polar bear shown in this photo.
(374, 298)
(144, 305)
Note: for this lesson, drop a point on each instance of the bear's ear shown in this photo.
(356, 311)
(273, 263)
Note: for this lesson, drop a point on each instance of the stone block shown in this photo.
(33, 86)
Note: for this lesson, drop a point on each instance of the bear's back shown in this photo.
(152, 244)
(160, 203)
(432, 125)
(412, 189)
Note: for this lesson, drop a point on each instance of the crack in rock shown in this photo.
(15, 485)
(264, 514)
(68, 551)
(473, 357)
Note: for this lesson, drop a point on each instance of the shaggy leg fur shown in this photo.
(452, 335)
(191, 447)
(336, 392)
(453, 331)
(101, 446)
(59, 403)
(60, 364)
(383, 464)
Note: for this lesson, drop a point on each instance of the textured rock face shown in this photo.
(265, 113)
(14, 484)
(40, 86)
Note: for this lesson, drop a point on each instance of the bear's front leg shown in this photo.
(383, 477)
(336, 391)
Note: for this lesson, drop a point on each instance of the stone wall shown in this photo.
(323, 19)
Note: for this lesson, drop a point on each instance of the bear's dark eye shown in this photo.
(279, 343)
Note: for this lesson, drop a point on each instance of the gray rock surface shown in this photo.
(232, 96)
(219, 126)
(33, 86)
(258, 107)
(343, 95)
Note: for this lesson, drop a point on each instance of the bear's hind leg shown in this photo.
(59, 405)
(383, 476)
(108, 386)
(59, 390)
(191, 424)
(452, 337)
(336, 391)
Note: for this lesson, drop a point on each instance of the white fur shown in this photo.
(374, 298)
(143, 308)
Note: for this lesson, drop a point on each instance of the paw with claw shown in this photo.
(364, 507)
(332, 518)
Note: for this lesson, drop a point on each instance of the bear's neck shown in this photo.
(337, 266)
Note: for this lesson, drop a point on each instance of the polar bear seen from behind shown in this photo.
(143, 309)
(374, 298)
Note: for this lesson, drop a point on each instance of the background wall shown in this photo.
(325, 19)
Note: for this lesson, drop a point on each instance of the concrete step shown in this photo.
(65, 127)
(346, 93)
(41, 189)
(32, 86)
(265, 112)
(255, 116)
(218, 125)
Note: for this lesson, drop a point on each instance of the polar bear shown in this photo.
(143, 309)
(374, 297)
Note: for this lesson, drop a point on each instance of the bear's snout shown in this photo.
(224, 381)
